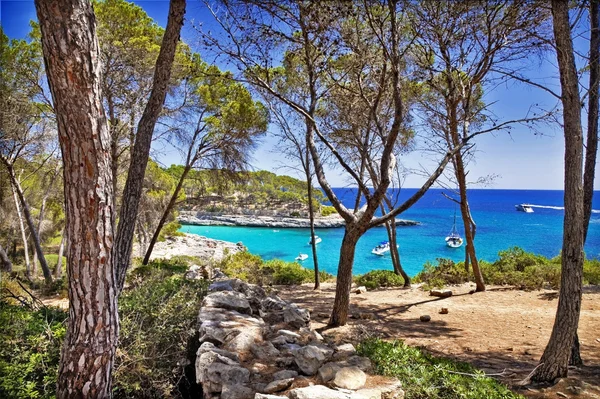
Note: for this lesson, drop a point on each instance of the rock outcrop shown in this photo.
(193, 245)
(198, 219)
(255, 345)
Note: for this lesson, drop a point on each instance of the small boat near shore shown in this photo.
(317, 240)
(454, 240)
(524, 208)
(301, 257)
(381, 249)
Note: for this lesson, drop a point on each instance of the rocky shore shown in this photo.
(202, 219)
(194, 245)
(258, 346)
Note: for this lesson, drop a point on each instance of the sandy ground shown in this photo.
(500, 331)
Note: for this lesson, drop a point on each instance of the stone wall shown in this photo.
(258, 346)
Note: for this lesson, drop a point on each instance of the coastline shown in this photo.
(195, 245)
(333, 221)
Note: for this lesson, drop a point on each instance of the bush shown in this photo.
(379, 278)
(424, 376)
(253, 269)
(591, 272)
(327, 210)
(295, 214)
(445, 272)
(158, 319)
(30, 350)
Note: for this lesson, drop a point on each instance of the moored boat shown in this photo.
(302, 257)
(454, 240)
(381, 249)
(524, 208)
(317, 240)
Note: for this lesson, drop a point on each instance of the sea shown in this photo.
(499, 227)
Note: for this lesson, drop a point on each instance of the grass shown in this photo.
(427, 377)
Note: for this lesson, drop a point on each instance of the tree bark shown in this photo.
(32, 228)
(5, 260)
(143, 140)
(311, 218)
(394, 252)
(555, 359)
(72, 59)
(341, 304)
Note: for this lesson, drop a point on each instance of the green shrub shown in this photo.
(295, 214)
(379, 278)
(253, 269)
(327, 210)
(591, 272)
(158, 319)
(30, 350)
(445, 272)
(426, 377)
(170, 229)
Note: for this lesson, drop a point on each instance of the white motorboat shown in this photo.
(524, 208)
(381, 249)
(302, 257)
(454, 240)
(317, 240)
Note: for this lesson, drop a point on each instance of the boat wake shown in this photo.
(560, 208)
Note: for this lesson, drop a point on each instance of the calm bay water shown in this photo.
(499, 226)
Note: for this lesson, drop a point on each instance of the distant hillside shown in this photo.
(256, 193)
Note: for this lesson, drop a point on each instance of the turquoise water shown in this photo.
(499, 226)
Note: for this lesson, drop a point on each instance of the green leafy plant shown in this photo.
(328, 210)
(379, 278)
(427, 377)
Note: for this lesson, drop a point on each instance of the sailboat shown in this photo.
(454, 240)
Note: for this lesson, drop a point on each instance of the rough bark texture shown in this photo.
(5, 261)
(143, 139)
(71, 55)
(341, 304)
(554, 361)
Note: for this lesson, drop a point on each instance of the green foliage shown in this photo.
(328, 210)
(30, 351)
(514, 267)
(427, 377)
(379, 278)
(253, 269)
(158, 318)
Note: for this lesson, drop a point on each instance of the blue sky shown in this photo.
(521, 160)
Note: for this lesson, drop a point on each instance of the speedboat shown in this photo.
(524, 208)
(317, 240)
(381, 249)
(454, 240)
(302, 257)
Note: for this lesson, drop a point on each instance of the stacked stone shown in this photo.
(255, 346)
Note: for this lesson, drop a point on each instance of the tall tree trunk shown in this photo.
(72, 59)
(61, 250)
(554, 361)
(341, 304)
(311, 218)
(165, 215)
(5, 261)
(467, 222)
(143, 140)
(394, 252)
(32, 228)
(591, 149)
(23, 233)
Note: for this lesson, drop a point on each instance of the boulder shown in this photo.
(310, 358)
(264, 351)
(243, 343)
(278, 385)
(350, 378)
(220, 326)
(210, 347)
(213, 371)
(327, 371)
(317, 392)
(285, 374)
(425, 318)
(344, 351)
(265, 396)
(289, 334)
(229, 300)
(289, 349)
(223, 285)
(280, 340)
(236, 391)
(360, 290)
(295, 316)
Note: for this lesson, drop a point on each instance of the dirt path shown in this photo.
(500, 329)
